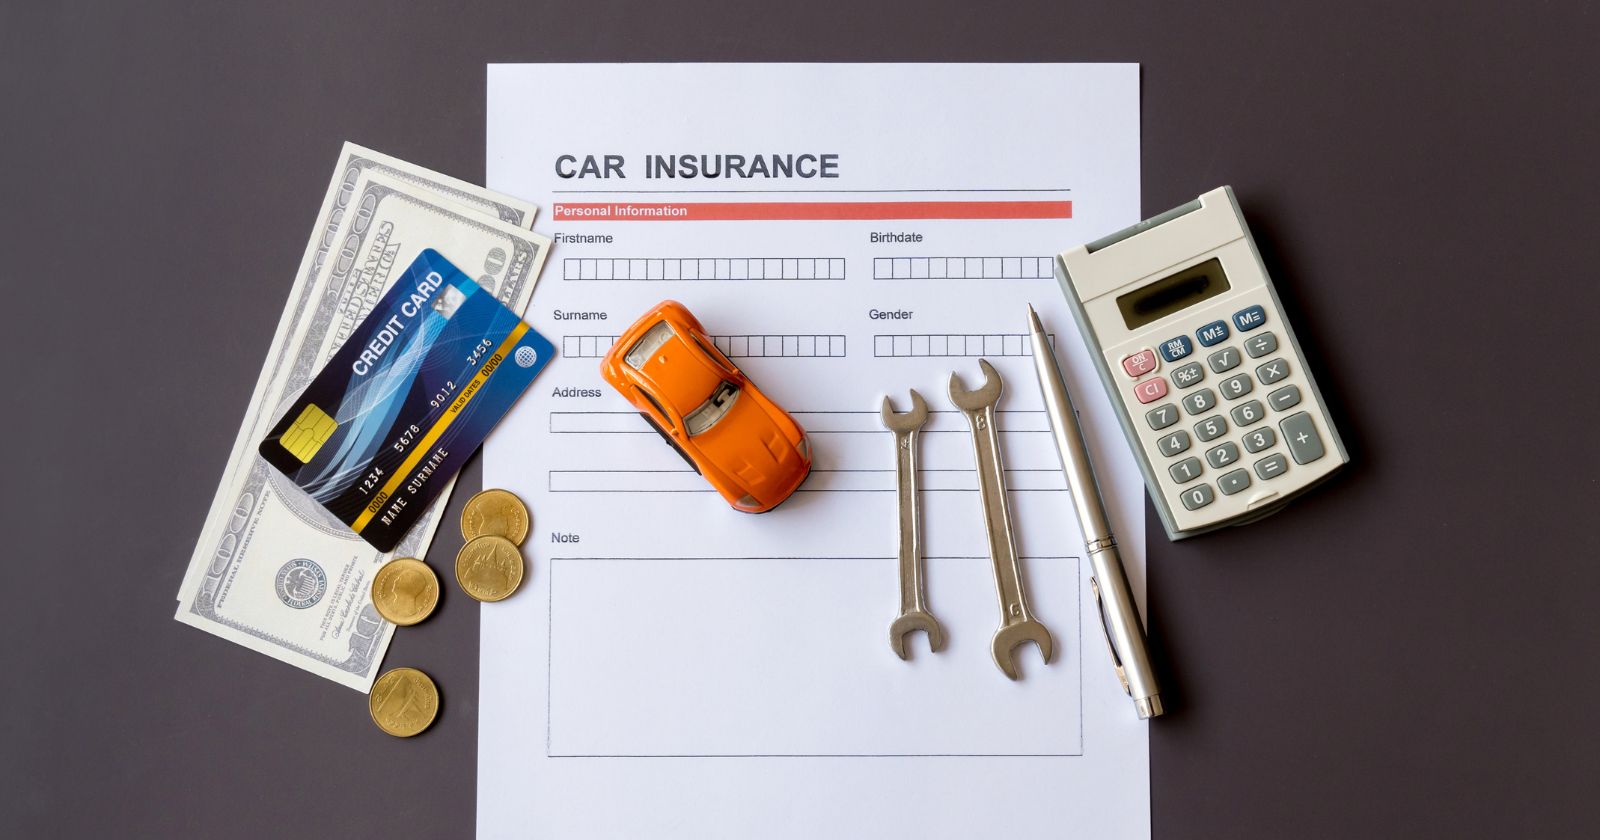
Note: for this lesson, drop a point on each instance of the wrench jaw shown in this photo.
(984, 397)
(1008, 638)
(907, 422)
(910, 623)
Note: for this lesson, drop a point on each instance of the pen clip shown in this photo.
(1105, 627)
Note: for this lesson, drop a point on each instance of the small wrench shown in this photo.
(1017, 624)
(914, 613)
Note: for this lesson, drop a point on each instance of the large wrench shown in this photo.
(1017, 624)
(914, 613)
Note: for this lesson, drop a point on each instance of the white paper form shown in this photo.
(674, 668)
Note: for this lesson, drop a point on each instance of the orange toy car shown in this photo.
(750, 450)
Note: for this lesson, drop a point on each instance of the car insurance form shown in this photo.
(673, 668)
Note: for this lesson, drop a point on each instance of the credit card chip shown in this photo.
(308, 433)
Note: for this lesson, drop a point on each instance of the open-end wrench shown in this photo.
(914, 613)
(1017, 624)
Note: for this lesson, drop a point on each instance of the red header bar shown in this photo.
(766, 211)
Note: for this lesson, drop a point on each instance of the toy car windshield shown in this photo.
(647, 344)
(712, 410)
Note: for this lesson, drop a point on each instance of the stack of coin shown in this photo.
(490, 566)
(404, 701)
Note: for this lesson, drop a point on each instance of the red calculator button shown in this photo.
(1150, 390)
(1140, 363)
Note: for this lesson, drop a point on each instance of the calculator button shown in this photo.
(1140, 363)
(1188, 469)
(1174, 443)
(1250, 412)
(1249, 318)
(1273, 371)
(1235, 387)
(1150, 390)
(1271, 466)
(1189, 374)
(1174, 349)
(1261, 345)
(1212, 333)
(1161, 416)
(1231, 483)
(1300, 432)
(1223, 455)
(1256, 440)
(1225, 359)
(1210, 428)
(1286, 397)
(1197, 497)
(1202, 400)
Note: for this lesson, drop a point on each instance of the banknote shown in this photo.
(275, 571)
(353, 162)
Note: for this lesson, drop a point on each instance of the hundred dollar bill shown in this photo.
(277, 572)
(354, 161)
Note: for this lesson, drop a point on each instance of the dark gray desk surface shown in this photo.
(1411, 652)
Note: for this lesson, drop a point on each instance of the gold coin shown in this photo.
(496, 512)
(405, 591)
(489, 568)
(403, 702)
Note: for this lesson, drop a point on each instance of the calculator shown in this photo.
(1205, 373)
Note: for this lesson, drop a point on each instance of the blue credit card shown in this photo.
(406, 400)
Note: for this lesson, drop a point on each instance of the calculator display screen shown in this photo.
(1172, 293)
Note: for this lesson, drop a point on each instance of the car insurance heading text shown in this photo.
(806, 165)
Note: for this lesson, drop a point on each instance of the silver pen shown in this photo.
(1119, 616)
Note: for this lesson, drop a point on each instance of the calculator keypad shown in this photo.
(1213, 333)
(1200, 401)
(1272, 371)
(1232, 482)
(1235, 387)
(1223, 455)
(1188, 375)
(1246, 414)
(1249, 318)
(1176, 348)
(1140, 363)
(1197, 497)
(1150, 390)
(1256, 440)
(1286, 397)
(1261, 345)
(1223, 360)
(1253, 438)
(1210, 428)
(1271, 466)
(1161, 416)
(1300, 433)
